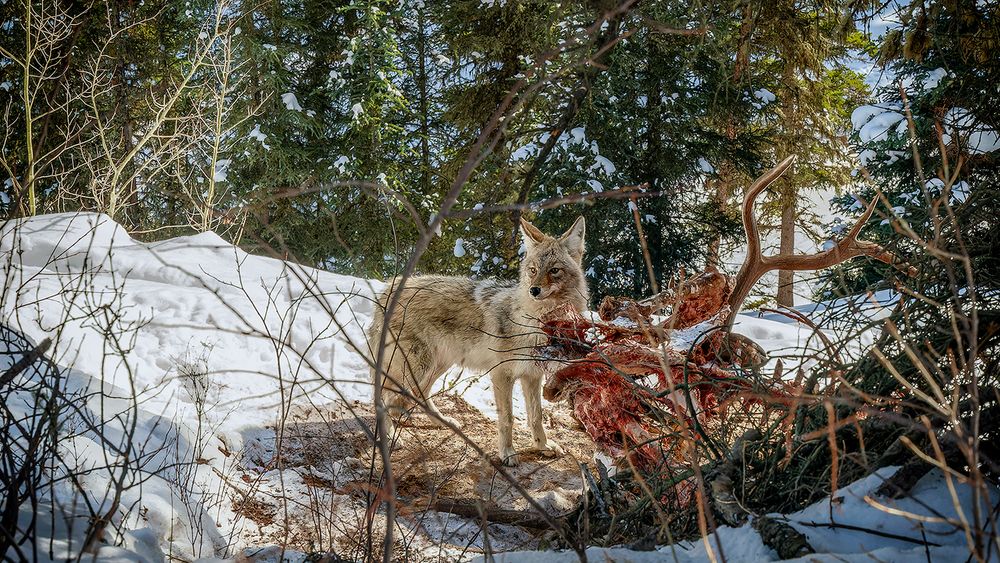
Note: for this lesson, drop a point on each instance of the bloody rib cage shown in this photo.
(627, 382)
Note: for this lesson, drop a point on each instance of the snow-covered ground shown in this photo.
(186, 352)
(213, 344)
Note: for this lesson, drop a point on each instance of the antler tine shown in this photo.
(852, 235)
(754, 265)
(749, 219)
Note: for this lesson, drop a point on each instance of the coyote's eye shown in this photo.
(554, 271)
(532, 270)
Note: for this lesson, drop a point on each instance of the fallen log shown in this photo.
(482, 510)
(780, 536)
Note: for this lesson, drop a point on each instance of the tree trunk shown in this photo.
(425, 151)
(723, 190)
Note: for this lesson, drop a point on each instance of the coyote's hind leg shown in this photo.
(430, 376)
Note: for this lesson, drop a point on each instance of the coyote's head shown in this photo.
(552, 269)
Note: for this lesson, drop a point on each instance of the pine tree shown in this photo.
(939, 181)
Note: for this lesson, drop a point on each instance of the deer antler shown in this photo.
(756, 264)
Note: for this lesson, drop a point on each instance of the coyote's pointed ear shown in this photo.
(532, 235)
(573, 239)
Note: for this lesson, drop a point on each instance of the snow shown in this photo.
(873, 123)
(896, 155)
(765, 95)
(897, 212)
(221, 169)
(975, 137)
(705, 166)
(290, 101)
(929, 510)
(933, 78)
(525, 151)
(959, 192)
(847, 310)
(604, 164)
(216, 344)
(357, 110)
(256, 133)
(341, 163)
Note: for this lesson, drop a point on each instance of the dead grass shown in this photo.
(329, 450)
(260, 512)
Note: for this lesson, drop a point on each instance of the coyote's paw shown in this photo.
(508, 457)
(549, 449)
(390, 426)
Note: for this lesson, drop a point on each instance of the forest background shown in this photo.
(329, 132)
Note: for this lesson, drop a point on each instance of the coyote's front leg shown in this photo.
(531, 385)
(503, 390)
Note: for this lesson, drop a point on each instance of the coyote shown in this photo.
(483, 325)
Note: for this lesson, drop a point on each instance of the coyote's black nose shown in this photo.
(535, 291)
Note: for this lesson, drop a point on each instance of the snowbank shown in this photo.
(212, 342)
(194, 298)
